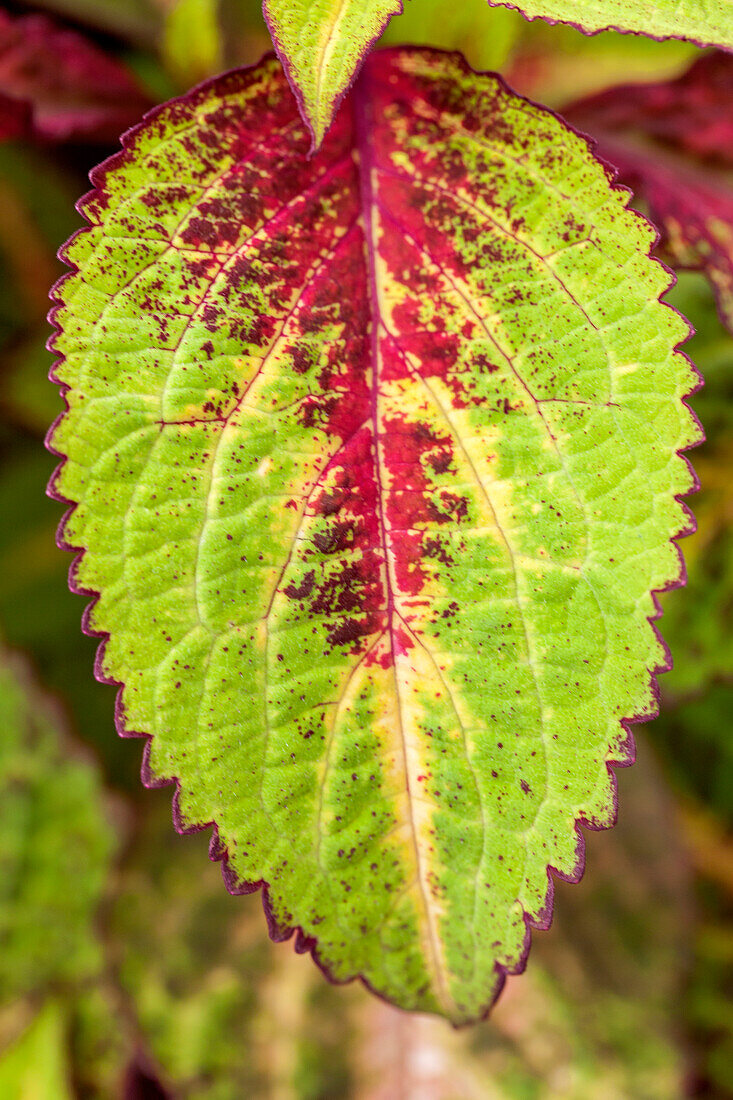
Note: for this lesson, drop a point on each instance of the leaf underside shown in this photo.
(374, 459)
(695, 21)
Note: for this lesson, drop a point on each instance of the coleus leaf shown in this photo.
(668, 140)
(374, 465)
(322, 44)
(697, 21)
(61, 85)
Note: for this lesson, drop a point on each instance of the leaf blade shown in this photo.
(315, 473)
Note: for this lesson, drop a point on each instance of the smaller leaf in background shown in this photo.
(36, 1066)
(74, 90)
(322, 44)
(16, 117)
(553, 65)
(687, 112)
(696, 21)
(671, 142)
(192, 47)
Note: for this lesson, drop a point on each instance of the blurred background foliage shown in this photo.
(126, 970)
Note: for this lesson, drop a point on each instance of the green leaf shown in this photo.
(191, 40)
(35, 1068)
(55, 832)
(375, 465)
(322, 44)
(485, 38)
(695, 21)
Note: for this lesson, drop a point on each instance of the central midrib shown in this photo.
(366, 168)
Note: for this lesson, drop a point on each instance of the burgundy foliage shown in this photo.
(55, 85)
(671, 143)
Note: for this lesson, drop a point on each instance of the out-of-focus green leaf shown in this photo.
(557, 64)
(37, 611)
(192, 45)
(36, 1066)
(55, 834)
(484, 35)
(223, 1012)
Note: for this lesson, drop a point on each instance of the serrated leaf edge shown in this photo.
(279, 932)
(591, 33)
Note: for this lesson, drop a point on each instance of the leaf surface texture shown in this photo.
(374, 459)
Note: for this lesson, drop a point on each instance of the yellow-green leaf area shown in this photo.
(695, 21)
(322, 43)
(375, 465)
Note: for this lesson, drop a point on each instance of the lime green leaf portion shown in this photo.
(54, 833)
(695, 21)
(375, 464)
(36, 1066)
(321, 44)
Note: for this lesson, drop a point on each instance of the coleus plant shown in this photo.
(373, 446)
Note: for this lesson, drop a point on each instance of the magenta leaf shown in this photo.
(61, 85)
(670, 142)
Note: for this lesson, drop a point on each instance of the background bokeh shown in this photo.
(126, 970)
